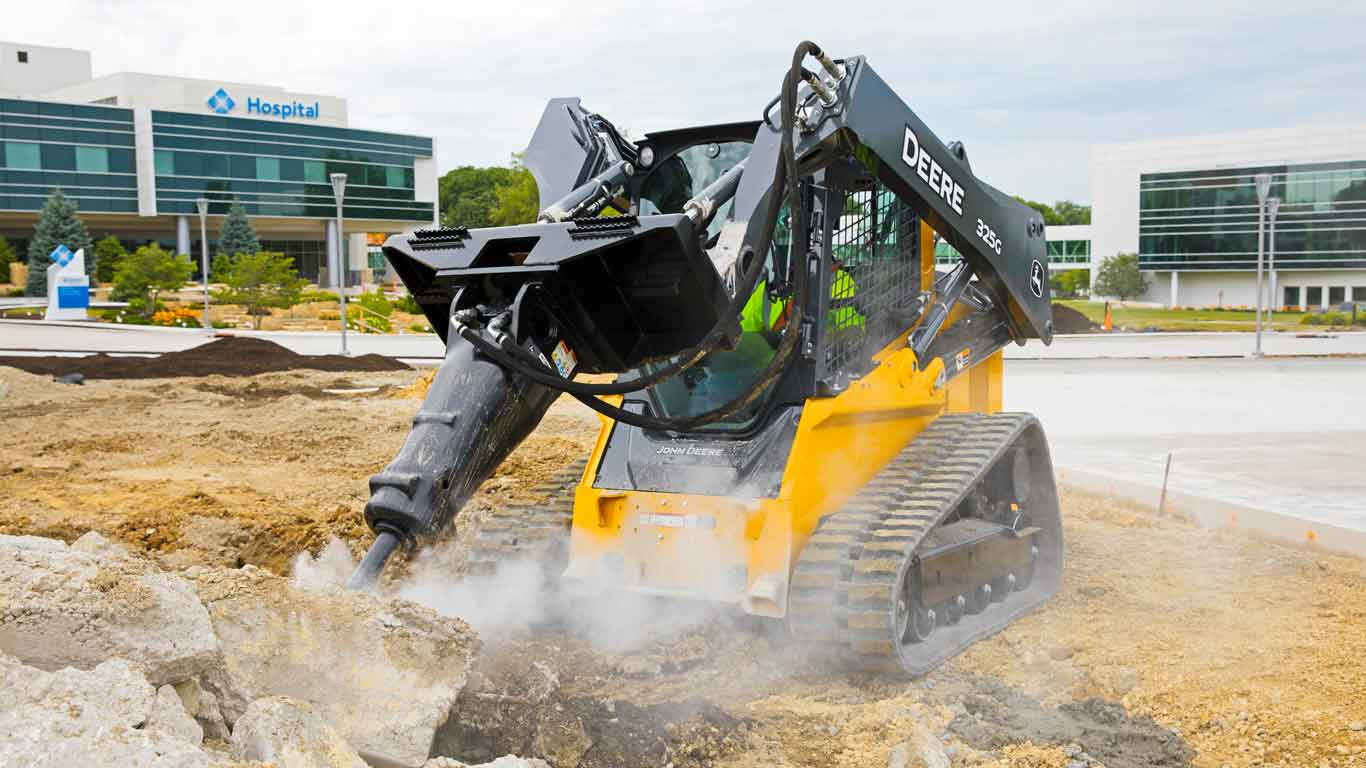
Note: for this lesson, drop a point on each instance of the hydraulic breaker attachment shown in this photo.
(474, 414)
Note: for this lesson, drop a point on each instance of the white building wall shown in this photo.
(47, 68)
(1239, 289)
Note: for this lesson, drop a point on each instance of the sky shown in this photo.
(1028, 88)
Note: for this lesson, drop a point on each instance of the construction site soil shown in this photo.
(1068, 320)
(1168, 645)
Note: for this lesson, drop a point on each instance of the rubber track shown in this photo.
(530, 531)
(844, 586)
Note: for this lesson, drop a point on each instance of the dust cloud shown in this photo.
(519, 598)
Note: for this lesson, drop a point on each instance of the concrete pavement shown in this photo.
(1256, 442)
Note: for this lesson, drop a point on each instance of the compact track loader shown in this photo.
(806, 419)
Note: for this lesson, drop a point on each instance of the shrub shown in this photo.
(147, 272)
(311, 297)
(420, 328)
(260, 281)
(406, 303)
(180, 317)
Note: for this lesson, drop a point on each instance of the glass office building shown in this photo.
(135, 152)
(1189, 209)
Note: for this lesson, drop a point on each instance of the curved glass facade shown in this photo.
(1208, 219)
(281, 169)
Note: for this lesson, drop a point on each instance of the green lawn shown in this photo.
(1140, 318)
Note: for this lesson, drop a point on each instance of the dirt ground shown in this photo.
(1168, 646)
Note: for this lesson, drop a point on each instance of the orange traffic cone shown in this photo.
(1109, 324)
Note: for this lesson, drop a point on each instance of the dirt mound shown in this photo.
(1068, 320)
(225, 356)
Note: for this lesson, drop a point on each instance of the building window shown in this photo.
(393, 176)
(315, 172)
(1337, 294)
(23, 156)
(1313, 296)
(23, 57)
(1290, 297)
(1359, 293)
(92, 160)
(268, 168)
(165, 162)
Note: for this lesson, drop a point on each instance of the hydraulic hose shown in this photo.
(784, 181)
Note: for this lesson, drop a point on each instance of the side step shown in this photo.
(958, 536)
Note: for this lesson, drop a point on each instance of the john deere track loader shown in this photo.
(806, 418)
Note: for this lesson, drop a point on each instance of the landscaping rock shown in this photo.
(83, 718)
(78, 606)
(291, 734)
(384, 673)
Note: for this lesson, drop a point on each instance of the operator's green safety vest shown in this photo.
(842, 287)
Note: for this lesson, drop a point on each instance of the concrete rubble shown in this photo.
(80, 605)
(385, 673)
(291, 734)
(106, 716)
(107, 660)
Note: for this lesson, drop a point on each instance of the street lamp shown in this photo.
(203, 205)
(339, 192)
(1273, 204)
(1263, 189)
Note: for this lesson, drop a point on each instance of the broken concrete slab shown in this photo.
(506, 761)
(203, 707)
(169, 716)
(291, 734)
(90, 718)
(384, 673)
(76, 606)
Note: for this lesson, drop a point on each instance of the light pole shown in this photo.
(339, 192)
(203, 205)
(1263, 188)
(1273, 204)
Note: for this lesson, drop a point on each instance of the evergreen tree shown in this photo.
(58, 224)
(108, 252)
(237, 235)
(6, 258)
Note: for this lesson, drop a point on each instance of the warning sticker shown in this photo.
(565, 361)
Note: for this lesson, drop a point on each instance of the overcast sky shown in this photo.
(1027, 89)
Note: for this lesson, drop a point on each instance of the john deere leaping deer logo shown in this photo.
(1036, 279)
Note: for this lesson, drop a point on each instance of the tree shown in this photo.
(468, 195)
(260, 280)
(6, 258)
(108, 253)
(1120, 276)
(1061, 213)
(237, 236)
(518, 200)
(143, 274)
(58, 225)
(1069, 212)
(1070, 283)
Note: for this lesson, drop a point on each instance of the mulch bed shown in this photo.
(225, 356)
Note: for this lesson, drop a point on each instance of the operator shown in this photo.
(762, 315)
